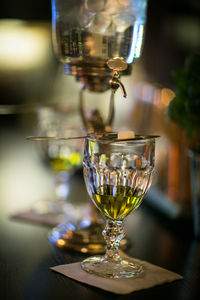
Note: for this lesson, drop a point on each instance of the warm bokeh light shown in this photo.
(60, 243)
(166, 96)
(22, 46)
(151, 94)
(84, 250)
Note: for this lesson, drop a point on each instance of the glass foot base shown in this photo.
(84, 237)
(109, 268)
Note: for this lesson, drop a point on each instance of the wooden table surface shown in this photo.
(26, 253)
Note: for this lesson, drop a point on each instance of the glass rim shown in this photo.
(104, 138)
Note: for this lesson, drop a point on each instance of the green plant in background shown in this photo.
(184, 109)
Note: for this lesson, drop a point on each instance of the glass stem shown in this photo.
(113, 234)
(62, 186)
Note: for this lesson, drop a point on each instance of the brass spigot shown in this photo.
(115, 83)
(117, 64)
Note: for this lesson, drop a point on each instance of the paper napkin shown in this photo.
(150, 277)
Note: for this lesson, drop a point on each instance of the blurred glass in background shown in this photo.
(62, 158)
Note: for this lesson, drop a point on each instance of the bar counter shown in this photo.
(26, 254)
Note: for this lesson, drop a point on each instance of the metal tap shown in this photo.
(115, 83)
(117, 64)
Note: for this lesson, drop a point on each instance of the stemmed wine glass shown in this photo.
(63, 158)
(117, 173)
